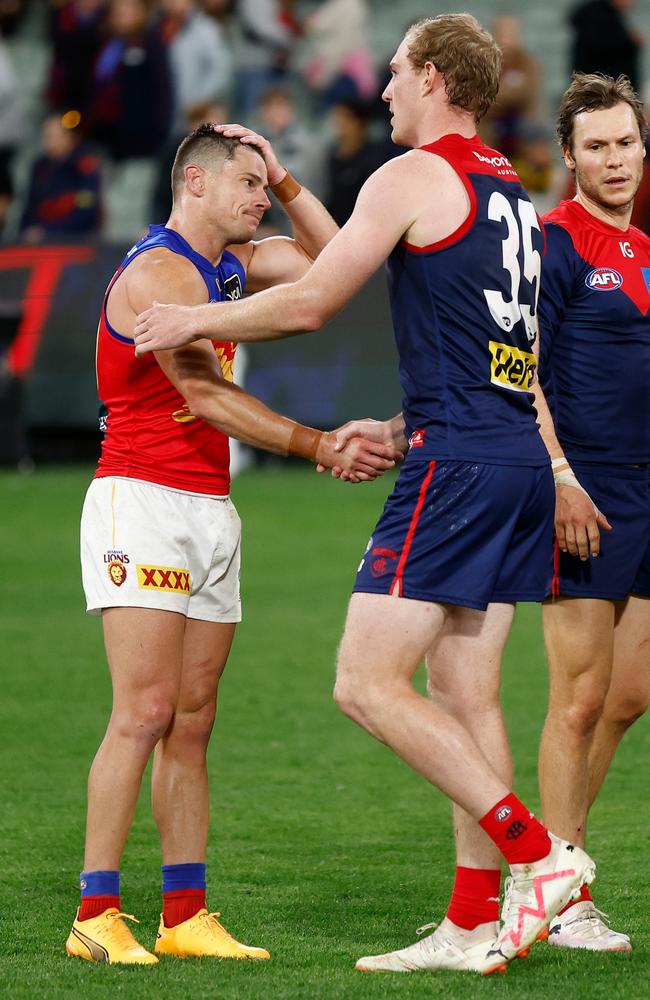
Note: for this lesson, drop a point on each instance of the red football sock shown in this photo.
(584, 895)
(519, 836)
(181, 904)
(92, 906)
(475, 897)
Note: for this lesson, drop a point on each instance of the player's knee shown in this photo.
(192, 729)
(625, 707)
(347, 700)
(146, 720)
(581, 715)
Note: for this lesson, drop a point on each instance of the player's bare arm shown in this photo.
(196, 373)
(194, 370)
(387, 209)
(578, 522)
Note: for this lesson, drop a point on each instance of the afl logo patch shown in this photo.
(505, 812)
(604, 279)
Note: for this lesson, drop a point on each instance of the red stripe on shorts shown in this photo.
(396, 585)
(555, 586)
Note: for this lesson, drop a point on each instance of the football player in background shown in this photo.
(595, 369)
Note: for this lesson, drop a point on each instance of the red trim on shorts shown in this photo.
(555, 585)
(396, 585)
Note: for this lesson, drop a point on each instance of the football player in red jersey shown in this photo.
(160, 537)
(468, 530)
(595, 368)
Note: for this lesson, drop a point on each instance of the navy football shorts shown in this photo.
(623, 566)
(463, 533)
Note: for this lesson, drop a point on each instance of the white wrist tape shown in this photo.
(566, 477)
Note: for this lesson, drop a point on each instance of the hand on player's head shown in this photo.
(248, 137)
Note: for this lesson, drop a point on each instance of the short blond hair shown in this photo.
(464, 53)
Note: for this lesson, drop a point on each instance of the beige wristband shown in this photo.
(304, 442)
(287, 189)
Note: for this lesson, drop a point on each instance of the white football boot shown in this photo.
(533, 895)
(583, 926)
(449, 947)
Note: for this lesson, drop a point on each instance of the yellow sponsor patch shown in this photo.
(511, 367)
(183, 416)
(177, 581)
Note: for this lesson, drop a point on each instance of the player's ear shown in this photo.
(429, 75)
(195, 179)
(568, 158)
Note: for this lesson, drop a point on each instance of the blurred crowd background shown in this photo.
(95, 96)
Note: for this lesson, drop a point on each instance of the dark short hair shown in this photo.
(205, 147)
(465, 55)
(596, 92)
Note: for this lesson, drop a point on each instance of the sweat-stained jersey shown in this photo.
(464, 313)
(595, 337)
(149, 432)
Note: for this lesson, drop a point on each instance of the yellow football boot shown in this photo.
(106, 938)
(201, 935)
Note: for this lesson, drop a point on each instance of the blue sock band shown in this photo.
(189, 876)
(99, 883)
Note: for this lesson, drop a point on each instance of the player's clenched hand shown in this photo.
(578, 522)
(360, 461)
(247, 137)
(378, 431)
(373, 430)
(162, 327)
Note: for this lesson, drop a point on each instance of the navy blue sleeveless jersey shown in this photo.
(595, 337)
(464, 313)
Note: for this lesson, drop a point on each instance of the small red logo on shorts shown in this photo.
(505, 812)
(416, 439)
(116, 572)
(383, 563)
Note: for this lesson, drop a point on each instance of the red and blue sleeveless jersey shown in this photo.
(149, 432)
(464, 313)
(595, 336)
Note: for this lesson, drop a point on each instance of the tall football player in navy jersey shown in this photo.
(595, 368)
(468, 529)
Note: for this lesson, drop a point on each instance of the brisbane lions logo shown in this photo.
(116, 572)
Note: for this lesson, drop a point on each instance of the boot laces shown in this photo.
(119, 929)
(209, 924)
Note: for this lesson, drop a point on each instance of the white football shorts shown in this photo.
(149, 546)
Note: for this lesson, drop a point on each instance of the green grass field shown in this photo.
(323, 846)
